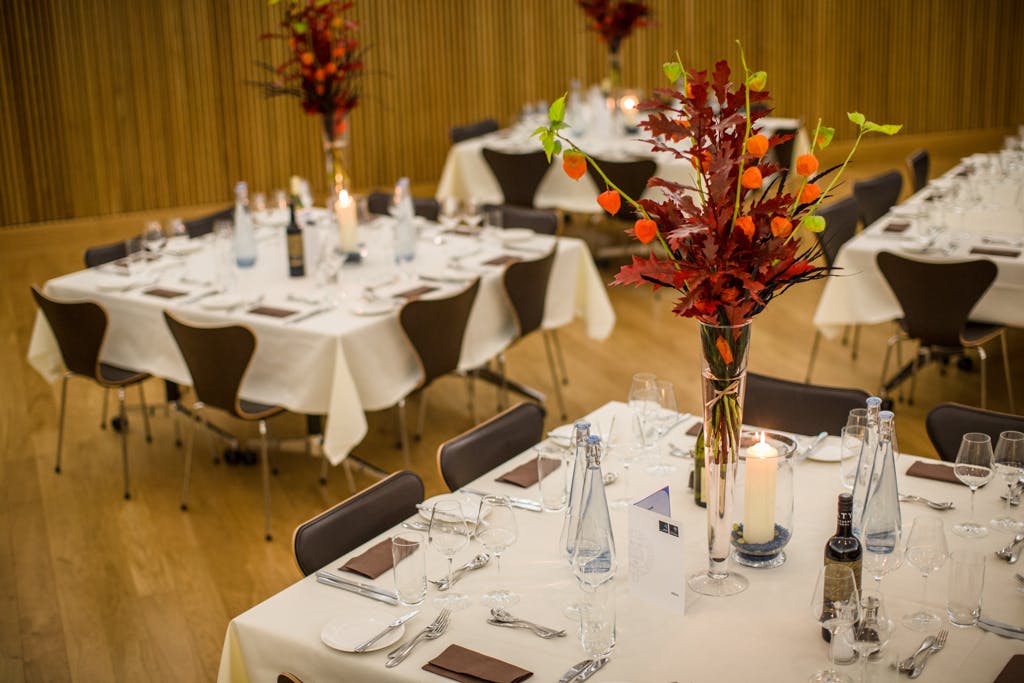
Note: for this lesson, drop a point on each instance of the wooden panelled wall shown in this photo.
(110, 106)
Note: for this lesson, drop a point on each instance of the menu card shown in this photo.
(656, 553)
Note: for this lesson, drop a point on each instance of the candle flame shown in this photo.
(762, 437)
(629, 102)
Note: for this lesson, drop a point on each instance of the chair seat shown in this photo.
(251, 410)
(975, 333)
(119, 377)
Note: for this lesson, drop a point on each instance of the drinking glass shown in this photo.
(974, 468)
(133, 254)
(926, 550)
(553, 484)
(280, 199)
(448, 533)
(966, 581)
(1009, 462)
(409, 565)
(854, 440)
(668, 414)
(883, 546)
(472, 214)
(448, 216)
(858, 417)
(597, 621)
(835, 606)
(643, 401)
(153, 238)
(177, 229)
(259, 202)
(496, 530)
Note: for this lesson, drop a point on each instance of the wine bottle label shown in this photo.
(295, 259)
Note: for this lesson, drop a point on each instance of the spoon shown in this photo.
(502, 616)
(1007, 552)
(477, 562)
(610, 478)
(907, 664)
(934, 505)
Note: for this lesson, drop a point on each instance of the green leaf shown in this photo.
(856, 118)
(757, 80)
(556, 112)
(548, 143)
(558, 146)
(825, 136)
(886, 129)
(672, 71)
(540, 130)
(812, 223)
(559, 125)
(300, 28)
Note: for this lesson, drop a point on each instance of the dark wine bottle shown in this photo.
(699, 488)
(296, 257)
(842, 548)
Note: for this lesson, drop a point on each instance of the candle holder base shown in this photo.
(760, 555)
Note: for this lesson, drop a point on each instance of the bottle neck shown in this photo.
(844, 526)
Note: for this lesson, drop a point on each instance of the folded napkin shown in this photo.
(500, 261)
(461, 664)
(272, 311)
(937, 471)
(415, 292)
(373, 562)
(1013, 672)
(526, 474)
(897, 226)
(164, 293)
(996, 251)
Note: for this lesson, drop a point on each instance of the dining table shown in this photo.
(328, 343)
(767, 632)
(974, 211)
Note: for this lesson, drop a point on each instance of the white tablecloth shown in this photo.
(337, 363)
(764, 633)
(466, 174)
(860, 294)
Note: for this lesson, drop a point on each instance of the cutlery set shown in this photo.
(914, 665)
(1011, 553)
(435, 629)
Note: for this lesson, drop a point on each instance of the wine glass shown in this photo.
(177, 229)
(1009, 462)
(449, 533)
(858, 417)
(926, 550)
(153, 238)
(882, 546)
(835, 606)
(643, 401)
(668, 413)
(974, 468)
(854, 441)
(472, 214)
(496, 530)
(448, 216)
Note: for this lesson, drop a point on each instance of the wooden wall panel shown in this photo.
(111, 106)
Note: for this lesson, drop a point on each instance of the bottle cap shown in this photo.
(874, 402)
(886, 415)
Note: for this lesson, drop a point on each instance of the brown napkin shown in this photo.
(996, 251)
(937, 471)
(272, 312)
(164, 293)
(500, 261)
(460, 664)
(1013, 672)
(416, 292)
(897, 226)
(373, 562)
(695, 428)
(526, 474)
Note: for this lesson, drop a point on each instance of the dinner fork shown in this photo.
(435, 629)
(940, 642)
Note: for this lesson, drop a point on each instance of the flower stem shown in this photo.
(746, 136)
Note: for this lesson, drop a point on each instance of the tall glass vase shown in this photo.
(334, 134)
(723, 381)
(614, 72)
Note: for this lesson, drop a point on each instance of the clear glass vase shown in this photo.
(334, 135)
(723, 381)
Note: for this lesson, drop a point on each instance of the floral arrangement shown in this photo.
(614, 20)
(728, 240)
(325, 60)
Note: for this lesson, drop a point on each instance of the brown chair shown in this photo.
(796, 407)
(80, 328)
(918, 163)
(105, 253)
(875, 196)
(472, 130)
(840, 227)
(355, 520)
(379, 203)
(469, 455)
(519, 175)
(948, 422)
(937, 299)
(540, 221)
(526, 286)
(197, 227)
(217, 359)
(435, 328)
(630, 176)
(286, 677)
(782, 153)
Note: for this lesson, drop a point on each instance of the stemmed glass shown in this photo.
(449, 533)
(669, 412)
(883, 546)
(926, 550)
(472, 215)
(643, 401)
(835, 606)
(1009, 462)
(177, 229)
(448, 216)
(153, 238)
(496, 530)
(974, 468)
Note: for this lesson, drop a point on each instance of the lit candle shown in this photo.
(628, 105)
(345, 210)
(759, 493)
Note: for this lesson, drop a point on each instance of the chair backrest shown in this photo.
(379, 202)
(105, 253)
(469, 455)
(197, 227)
(783, 152)
(875, 196)
(519, 175)
(918, 164)
(217, 358)
(936, 298)
(840, 226)
(539, 220)
(799, 408)
(436, 327)
(630, 176)
(526, 285)
(355, 520)
(948, 422)
(472, 130)
(79, 327)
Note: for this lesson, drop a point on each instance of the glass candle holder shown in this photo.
(764, 500)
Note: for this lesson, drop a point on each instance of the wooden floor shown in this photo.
(94, 588)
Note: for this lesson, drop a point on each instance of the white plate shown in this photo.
(373, 307)
(219, 302)
(513, 235)
(348, 632)
(470, 505)
(182, 246)
(826, 453)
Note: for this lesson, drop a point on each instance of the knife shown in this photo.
(363, 589)
(521, 503)
(308, 314)
(1007, 630)
(388, 629)
(814, 444)
(573, 673)
(592, 669)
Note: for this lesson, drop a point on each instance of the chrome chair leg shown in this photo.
(106, 399)
(60, 420)
(559, 356)
(856, 342)
(124, 441)
(554, 376)
(982, 357)
(194, 419)
(265, 466)
(814, 356)
(421, 421)
(1006, 369)
(145, 414)
(349, 476)
(403, 440)
(175, 416)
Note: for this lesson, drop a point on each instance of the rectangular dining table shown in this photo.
(325, 349)
(765, 633)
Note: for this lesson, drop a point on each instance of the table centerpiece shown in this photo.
(614, 21)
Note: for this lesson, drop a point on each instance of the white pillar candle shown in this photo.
(759, 493)
(629, 104)
(345, 210)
